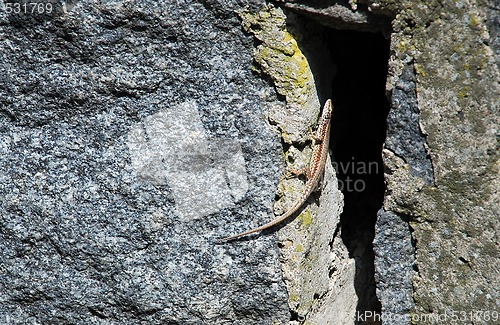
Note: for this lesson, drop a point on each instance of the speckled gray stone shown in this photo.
(404, 136)
(90, 231)
(394, 256)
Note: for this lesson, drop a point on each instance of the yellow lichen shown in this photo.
(279, 55)
(306, 218)
(419, 70)
(473, 20)
(463, 92)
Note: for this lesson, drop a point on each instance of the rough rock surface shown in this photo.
(134, 133)
(493, 23)
(404, 137)
(316, 268)
(394, 265)
(454, 218)
(394, 251)
(108, 112)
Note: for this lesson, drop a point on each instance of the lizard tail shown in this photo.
(267, 225)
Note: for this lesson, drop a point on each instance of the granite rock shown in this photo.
(113, 115)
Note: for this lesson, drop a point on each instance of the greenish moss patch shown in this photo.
(278, 55)
(305, 218)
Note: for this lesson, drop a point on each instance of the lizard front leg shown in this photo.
(316, 138)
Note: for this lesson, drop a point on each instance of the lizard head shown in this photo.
(327, 110)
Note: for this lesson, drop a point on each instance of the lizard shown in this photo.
(314, 172)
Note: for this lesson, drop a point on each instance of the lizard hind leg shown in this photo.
(298, 172)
